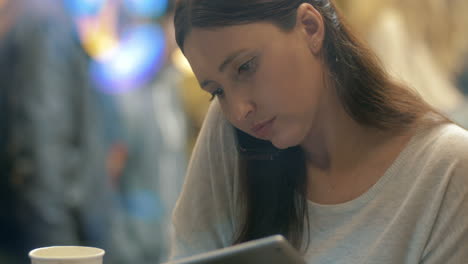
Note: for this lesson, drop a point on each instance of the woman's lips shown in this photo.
(263, 129)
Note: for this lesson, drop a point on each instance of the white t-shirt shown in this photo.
(416, 213)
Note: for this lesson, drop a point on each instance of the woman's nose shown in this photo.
(242, 103)
(244, 109)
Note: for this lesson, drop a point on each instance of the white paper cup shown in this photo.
(66, 255)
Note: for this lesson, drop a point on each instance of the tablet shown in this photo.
(272, 250)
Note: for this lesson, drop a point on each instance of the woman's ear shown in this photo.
(311, 25)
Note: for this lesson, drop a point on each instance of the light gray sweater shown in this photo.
(416, 213)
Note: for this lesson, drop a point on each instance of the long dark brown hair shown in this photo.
(273, 182)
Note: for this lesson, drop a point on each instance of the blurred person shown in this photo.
(310, 138)
(8, 229)
(52, 162)
(150, 162)
(147, 155)
(422, 43)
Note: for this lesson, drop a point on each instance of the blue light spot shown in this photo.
(147, 8)
(136, 62)
(84, 7)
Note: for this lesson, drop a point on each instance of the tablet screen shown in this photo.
(272, 250)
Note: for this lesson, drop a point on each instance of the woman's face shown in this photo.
(268, 82)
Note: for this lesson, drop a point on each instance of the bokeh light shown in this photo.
(99, 39)
(146, 8)
(135, 62)
(181, 63)
(84, 7)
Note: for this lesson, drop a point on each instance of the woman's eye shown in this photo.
(217, 93)
(247, 67)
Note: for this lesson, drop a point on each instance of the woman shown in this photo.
(308, 137)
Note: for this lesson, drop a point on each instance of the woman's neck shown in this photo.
(337, 141)
(345, 158)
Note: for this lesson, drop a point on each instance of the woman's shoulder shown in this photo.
(446, 139)
(439, 151)
(205, 211)
(213, 166)
(452, 140)
(444, 150)
(455, 143)
(446, 192)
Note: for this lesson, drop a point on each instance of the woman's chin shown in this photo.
(286, 140)
(281, 144)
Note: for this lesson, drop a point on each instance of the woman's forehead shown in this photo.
(206, 49)
(211, 41)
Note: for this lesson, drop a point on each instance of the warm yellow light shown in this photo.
(99, 43)
(98, 33)
(180, 62)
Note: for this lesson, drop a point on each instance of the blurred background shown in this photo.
(99, 111)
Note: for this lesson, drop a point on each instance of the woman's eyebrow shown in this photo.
(229, 59)
(223, 65)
